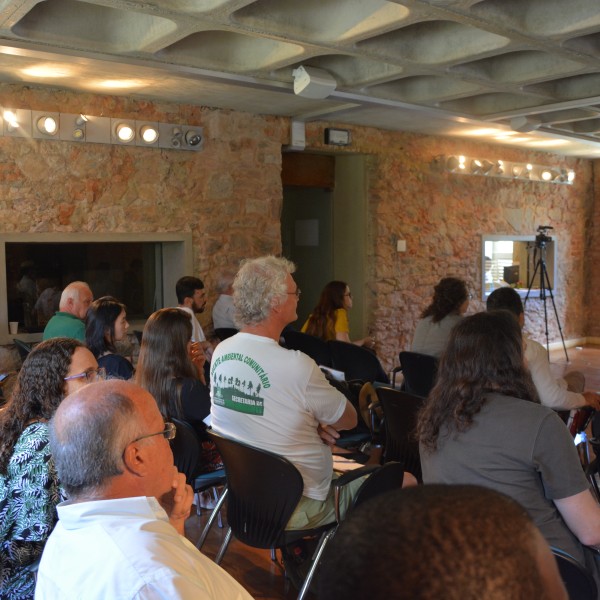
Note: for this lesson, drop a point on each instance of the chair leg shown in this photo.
(327, 535)
(216, 512)
(223, 547)
(216, 497)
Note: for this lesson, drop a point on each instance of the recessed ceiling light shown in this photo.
(125, 132)
(47, 125)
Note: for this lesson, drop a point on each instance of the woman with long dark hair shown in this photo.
(482, 424)
(29, 485)
(105, 324)
(449, 303)
(170, 367)
(329, 319)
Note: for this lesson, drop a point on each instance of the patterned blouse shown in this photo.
(29, 493)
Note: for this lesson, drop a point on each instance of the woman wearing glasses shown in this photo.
(450, 302)
(29, 486)
(329, 319)
(171, 368)
(105, 324)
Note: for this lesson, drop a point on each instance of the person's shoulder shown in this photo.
(525, 408)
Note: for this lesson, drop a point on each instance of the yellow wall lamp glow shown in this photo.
(49, 125)
(465, 165)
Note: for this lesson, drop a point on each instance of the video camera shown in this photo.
(541, 239)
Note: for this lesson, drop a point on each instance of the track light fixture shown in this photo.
(503, 169)
(24, 123)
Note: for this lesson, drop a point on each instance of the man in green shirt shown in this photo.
(69, 320)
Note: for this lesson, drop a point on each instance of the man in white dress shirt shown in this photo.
(191, 297)
(121, 534)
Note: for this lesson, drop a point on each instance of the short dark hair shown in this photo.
(505, 298)
(100, 325)
(186, 286)
(434, 541)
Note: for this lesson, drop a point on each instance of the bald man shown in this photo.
(121, 534)
(69, 320)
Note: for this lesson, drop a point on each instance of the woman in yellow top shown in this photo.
(329, 319)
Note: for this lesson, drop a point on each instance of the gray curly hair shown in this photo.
(260, 285)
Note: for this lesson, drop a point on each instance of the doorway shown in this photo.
(324, 228)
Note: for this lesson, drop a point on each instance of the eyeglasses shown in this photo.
(168, 433)
(296, 293)
(90, 375)
(349, 294)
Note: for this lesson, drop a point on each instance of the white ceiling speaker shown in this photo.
(310, 82)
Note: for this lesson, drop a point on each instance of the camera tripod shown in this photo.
(545, 288)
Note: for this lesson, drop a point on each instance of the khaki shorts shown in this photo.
(310, 513)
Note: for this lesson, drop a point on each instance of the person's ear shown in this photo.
(135, 459)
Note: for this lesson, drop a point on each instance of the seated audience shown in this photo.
(69, 320)
(440, 541)
(329, 319)
(29, 486)
(170, 367)
(191, 297)
(121, 535)
(483, 424)
(222, 313)
(565, 393)
(105, 324)
(450, 302)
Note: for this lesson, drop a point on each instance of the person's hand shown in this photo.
(592, 399)
(198, 357)
(178, 501)
(328, 434)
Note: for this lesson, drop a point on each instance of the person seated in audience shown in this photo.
(171, 368)
(483, 424)
(105, 324)
(223, 310)
(450, 302)
(29, 485)
(440, 541)
(329, 319)
(565, 393)
(121, 535)
(69, 320)
(278, 399)
(191, 297)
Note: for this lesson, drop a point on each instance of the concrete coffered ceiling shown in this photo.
(512, 72)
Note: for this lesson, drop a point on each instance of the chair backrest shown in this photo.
(577, 579)
(263, 491)
(225, 332)
(356, 362)
(315, 347)
(186, 449)
(420, 372)
(386, 479)
(400, 411)
(23, 348)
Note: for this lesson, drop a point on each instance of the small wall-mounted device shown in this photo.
(337, 137)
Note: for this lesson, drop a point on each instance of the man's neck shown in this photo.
(265, 329)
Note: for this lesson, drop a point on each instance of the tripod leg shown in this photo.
(549, 287)
(537, 266)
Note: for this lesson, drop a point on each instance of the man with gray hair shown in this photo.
(277, 399)
(69, 320)
(121, 534)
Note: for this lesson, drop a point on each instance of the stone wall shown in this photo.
(442, 216)
(229, 197)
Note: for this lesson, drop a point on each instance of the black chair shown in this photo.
(577, 579)
(356, 362)
(400, 411)
(263, 490)
(315, 347)
(225, 332)
(420, 372)
(23, 348)
(186, 453)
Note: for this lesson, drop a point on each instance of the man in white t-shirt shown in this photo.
(278, 399)
(566, 393)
